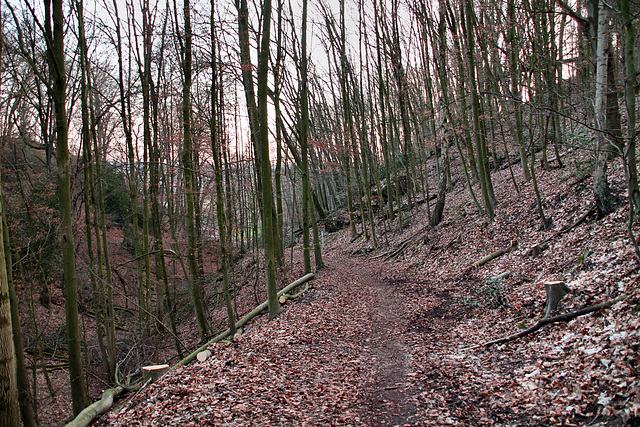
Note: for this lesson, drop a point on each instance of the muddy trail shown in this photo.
(420, 371)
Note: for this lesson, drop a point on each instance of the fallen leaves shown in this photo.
(384, 344)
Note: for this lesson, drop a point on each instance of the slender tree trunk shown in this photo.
(125, 115)
(25, 398)
(403, 101)
(216, 141)
(56, 57)
(9, 398)
(260, 129)
(95, 269)
(348, 133)
(462, 97)
(601, 188)
(151, 131)
(304, 145)
(518, 133)
(384, 139)
(277, 83)
(198, 294)
(9, 375)
(9, 408)
(630, 90)
(485, 174)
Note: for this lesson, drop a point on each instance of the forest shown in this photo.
(405, 181)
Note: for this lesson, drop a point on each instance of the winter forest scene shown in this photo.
(319, 213)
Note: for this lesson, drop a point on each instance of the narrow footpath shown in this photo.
(350, 352)
(389, 394)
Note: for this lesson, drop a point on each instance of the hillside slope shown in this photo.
(394, 335)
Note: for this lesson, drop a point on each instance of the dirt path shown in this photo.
(342, 355)
(389, 394)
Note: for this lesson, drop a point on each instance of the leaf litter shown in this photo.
(399, 342)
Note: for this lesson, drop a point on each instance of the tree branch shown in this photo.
(556, 319)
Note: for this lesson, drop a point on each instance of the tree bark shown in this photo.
(9, 414)
(304, 144)
(56, 57)
(630, 90)
(484, 173)
(216, 142)
(601, 188)
(258, 117)
(196, 282)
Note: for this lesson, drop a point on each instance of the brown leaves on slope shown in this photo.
(329, 359)
(303, 368)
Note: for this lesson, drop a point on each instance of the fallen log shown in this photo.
(556, 319)
(244, 320)
(495, 255)
(356, 237)
(104, 404)
(92, 411)
(286, 297)
(397, 251)
(203, 355)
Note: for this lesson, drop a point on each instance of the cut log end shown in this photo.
(153, 372)
(203, 355)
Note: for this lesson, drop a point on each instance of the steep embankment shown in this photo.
(393, 335)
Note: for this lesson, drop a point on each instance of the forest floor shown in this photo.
(394, 335)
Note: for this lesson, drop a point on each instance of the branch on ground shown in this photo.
(556, 319)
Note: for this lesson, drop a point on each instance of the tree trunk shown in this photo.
(601, 188)
(9, 414)
(630, 90)
(304, 145)
(260, 129)
(197, 291)
(216, 141)
(515, 89)
(18, 393)
(485, 174)
(56, 57)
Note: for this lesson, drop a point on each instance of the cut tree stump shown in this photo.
(153, 372)
(555, 292)
(537, 249)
